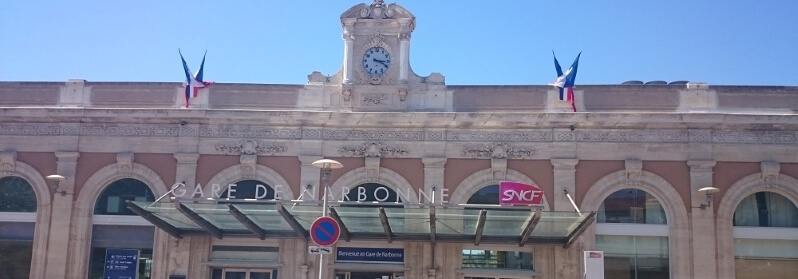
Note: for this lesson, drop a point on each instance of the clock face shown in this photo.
(376, 61)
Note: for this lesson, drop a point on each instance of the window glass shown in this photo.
(16, 195)
(766, 209)
(497, 259)
(113, 200)
(634, 257)
(486, 195)
(631, 206)
(15, 258)
(249, 189)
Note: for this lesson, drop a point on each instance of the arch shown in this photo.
(387, 177)
(236, 173)
(82, 217)
(675, 213)
(41, 231)
(480, 179)
(782, 184)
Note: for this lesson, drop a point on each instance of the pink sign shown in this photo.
(516, 193)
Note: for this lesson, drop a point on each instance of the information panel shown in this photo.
(382, 255)
(121, 264)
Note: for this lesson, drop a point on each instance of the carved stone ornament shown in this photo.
(633, 169)
(346, 93)
(8, 161)
(374, 99)
(124, 163)
(373, 150)
(402, 94)
(498, 150)
(770, 172)
(250, 147)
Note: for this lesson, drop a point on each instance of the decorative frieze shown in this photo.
(250, 147)
(373, 149)
(373, 135)
(249, 132)
(498, 151)
(378, 99)
(130, 130)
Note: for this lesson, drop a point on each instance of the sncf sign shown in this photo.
(516, 193)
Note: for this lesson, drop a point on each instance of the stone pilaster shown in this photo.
(310, 178)
(61, 216)
(349, 48)
(433, 177)
(703, 222)
(568, 261)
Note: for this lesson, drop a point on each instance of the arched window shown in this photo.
(113, 200)
(766, 237)
(16, 195)
(121, 234)
(249, 189)
(633, 234)
(631, 206)
(372, 192)
(17, 198)
(485, 195)
(766, 209)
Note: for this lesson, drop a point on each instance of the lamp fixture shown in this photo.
(56, 179)
(709, 192)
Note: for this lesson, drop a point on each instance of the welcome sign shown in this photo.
(516, 193)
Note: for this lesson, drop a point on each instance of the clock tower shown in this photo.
(376, 73)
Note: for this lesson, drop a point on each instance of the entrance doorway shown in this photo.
(369, 275)
(243, 273)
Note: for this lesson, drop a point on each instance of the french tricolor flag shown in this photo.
(195, 82)
(566, 80)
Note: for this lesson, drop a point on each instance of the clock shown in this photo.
(376, 61)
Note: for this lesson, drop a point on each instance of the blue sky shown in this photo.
(727, 42)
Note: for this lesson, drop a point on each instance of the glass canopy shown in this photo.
(444, 223)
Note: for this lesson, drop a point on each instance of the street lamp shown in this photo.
(326, 166)
(56, 179)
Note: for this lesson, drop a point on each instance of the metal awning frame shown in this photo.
(388, 234)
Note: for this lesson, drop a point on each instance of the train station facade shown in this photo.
(673, 180)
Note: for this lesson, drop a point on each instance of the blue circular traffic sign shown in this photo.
(325, 231)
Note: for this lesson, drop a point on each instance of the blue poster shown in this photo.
(121, 264)
(382, 255)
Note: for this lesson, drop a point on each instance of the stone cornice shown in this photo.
(429, 120)
(595, 135)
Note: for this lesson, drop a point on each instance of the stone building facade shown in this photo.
(636, 155)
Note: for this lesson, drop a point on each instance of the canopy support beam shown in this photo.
(344, 230)
(241, 217)
(385, 225)
(534, 218)
(432, 222)
(152, 218)
(574, 235)
(483, 214)
(196, 218)
(292, 222)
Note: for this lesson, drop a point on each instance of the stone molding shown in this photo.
(781, 184)
(482, 178)
(374, 149)
(386, 177)
(452, 135)
(238, 173)
(250, 147)
(498, 150)
(675, 212)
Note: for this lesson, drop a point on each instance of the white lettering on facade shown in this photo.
(231, 191)
(523, 195)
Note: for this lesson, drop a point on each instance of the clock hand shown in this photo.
(380, 61)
